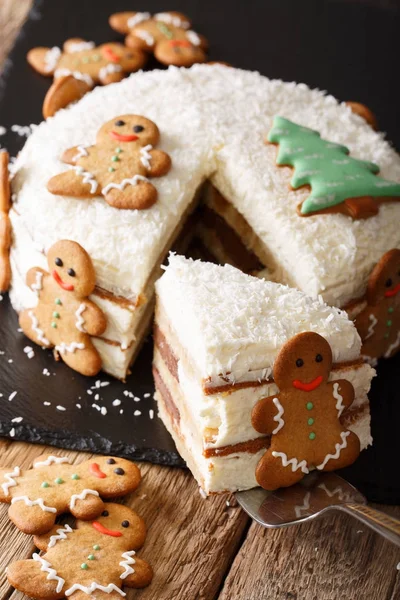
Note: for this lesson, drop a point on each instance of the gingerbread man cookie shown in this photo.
(117, 166)
(5, 225)
(166, 34)
(363, 111)
(64, 318)
(53, 486)
(92, 561)
(379, 322)
(85, 65)
(304, 417)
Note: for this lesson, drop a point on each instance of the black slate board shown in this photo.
(349, 49)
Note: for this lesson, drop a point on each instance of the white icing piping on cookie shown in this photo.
(79, 46)
(10, 480)
(81, 152)
(39, 502)
(392, 346)
(145, 156)
(121, 186)
(76, 74)
(278, 417)
(52, 573)
(111, 587)
(172, 20)
(338, 397)
(51, 58)
(81, 496)
(126, 563)
(38, 285)
(108, 69)
(71, 347)
(87, 178)
(371, 328)
(295, 464)
(138, 18)
(145, 36)
(52, 460)
(39, 332)
(338, 449)
(193, 38)
(80, 321)
(61, 535)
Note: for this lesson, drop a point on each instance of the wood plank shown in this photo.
(334, 557)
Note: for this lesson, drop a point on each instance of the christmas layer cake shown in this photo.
(120, 171)
(221, 339)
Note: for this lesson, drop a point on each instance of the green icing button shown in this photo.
(312, 436)
(96, 547)
(91, 557)
(54, 325)
(389, 323)
(115, 158)
(310, 421)
(56, 315)
(309, 406)
(84, 566)
(45, 484)
(58, 301)
(75, 476)
(59, 480)
(390, 309)
(111, 169)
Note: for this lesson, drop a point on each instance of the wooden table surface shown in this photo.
(206, 549)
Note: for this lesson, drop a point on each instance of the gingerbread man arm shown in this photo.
(95, 321)
(343, 393)
(44, 60)
(263, 416)
(27, 577)
(42, 541)
(71, 155)
(364, 322)
(142, 576)
(80, 184)
(160, 163)
(35, 279)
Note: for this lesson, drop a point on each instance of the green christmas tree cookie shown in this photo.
(339, 183)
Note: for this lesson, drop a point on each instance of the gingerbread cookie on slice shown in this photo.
(303, 419)
(53, 486)
(85, 62)
(165, 34)
(94, 560)
(379, 322)
(64, 318)
(5, 225)
(118, 166)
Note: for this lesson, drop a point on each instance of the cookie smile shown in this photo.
(393, 292)
(123, 138)
(101, 529)
(308, 387)
(109, 54)
(65, 286)
(96, 471)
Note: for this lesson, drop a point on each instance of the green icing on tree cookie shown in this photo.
(335, 177)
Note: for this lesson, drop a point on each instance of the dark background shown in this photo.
(350, 49)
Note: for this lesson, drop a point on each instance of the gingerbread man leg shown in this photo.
(27, 577)
(140, 196)
(271, 474)
(30, 325)
(346, 455)
(31, 519)
(86, 361)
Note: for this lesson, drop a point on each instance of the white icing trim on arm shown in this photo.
(172, 20)
(111, 587)
(81, 496)
(193, 38)
(371, 328)
(80, 321)
(76, 74)
(39, 332)
(10, 477)
(108, 69)
(278, 417)
(138, 18)
(79, 46)
(129, 560)
(71, 347)
(392, 346)
(52, 573)
(338, 448)
(52, 460)
(293, 462)
(61, 535)
(145, 36)
(87, 178)
(121, 186)
(336, 394)
(81, 152)
(39, 502)
(51, 58)
(38, 285)
(145, 156)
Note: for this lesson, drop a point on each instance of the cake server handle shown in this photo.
(385, 525)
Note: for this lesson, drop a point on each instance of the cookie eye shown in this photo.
(59, 262)
(299, 362)
(137, 128)
(388, 282)
(119, 471)
(105, 513)
(71, 272)
(119, 123)
(129, 55)
(319, 358)
(125, 523)
(110, 461)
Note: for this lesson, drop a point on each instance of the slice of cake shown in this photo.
(217, 335)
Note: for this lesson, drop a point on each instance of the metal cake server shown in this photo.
(313, 496)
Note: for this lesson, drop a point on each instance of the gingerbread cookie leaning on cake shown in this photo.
(326, 251)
